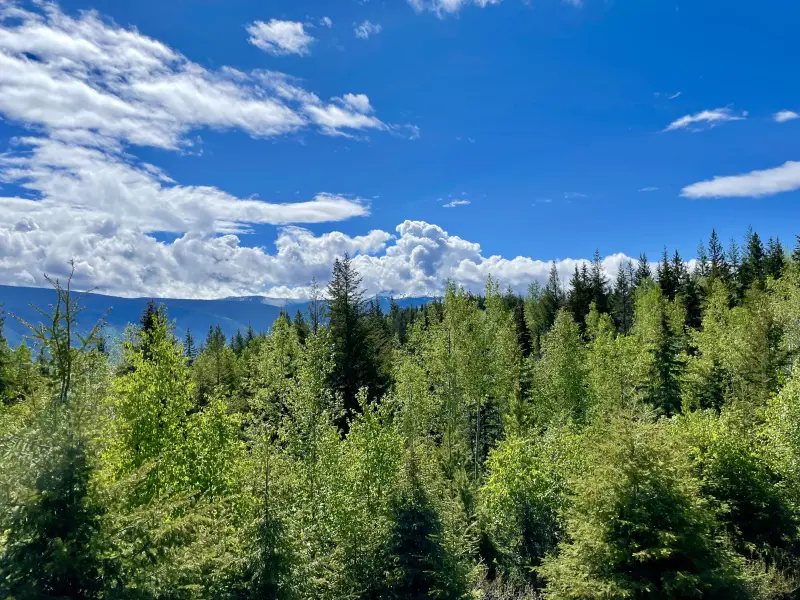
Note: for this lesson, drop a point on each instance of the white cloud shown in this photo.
(767, 182)
(674, 96)
(358, 102)
(366, 29)
(455, 203)
(280, 37)
(706, 118)
(444, 7)
(326, 22)
(569, 195)
(785, 115)
(89, 93)
(649, 189)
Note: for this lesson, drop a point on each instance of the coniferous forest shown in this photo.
(634, 437)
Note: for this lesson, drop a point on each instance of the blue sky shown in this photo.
(539, 123)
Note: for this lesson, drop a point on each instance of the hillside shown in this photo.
(230, 313)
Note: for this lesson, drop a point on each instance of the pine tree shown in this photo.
(553, 298)
(796, 252)
(598, 283)
(52, 547)
(237, 343)
(776, 258)
(718, 266)
(416, 563)
(622, 298)
(702, 267)
(580, 295)
(301, 327)
(250, 335)
(753, 269)
(643, 272)
(354, 367)
(189, 347)
(639, 527)
(667, 277)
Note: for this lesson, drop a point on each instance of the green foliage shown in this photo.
(639, 526)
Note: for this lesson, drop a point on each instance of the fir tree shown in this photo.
(354, 367)
(702, 267)
(552, 299)
(667, 277)
(598, 284)
(580, 294)
(796, 252)
(643, 272)
(753, 269)
(301, 327)
(622, 298)
(776, 258)
(189, 347)
(718, 266)
(237, 343)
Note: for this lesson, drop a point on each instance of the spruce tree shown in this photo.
(622, 298)
(189, 347)
(552, 299)
(237, 343)
(702, 261)
(354, 367)
(301, 326)
(796, 252)
(580, 295)
(643, 272)
(718, 265)
(776, 258)
(667, 277)
(598, 283)
(753, 269)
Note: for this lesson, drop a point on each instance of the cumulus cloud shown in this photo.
(767, 182)
(444, 7)
(366, 29)
(90, 93)
(785, 115)
(416, 260)
(706, 119)
(280, 38)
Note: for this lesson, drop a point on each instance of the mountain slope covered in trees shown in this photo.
(596, 440)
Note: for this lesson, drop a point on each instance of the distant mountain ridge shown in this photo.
(229, 313)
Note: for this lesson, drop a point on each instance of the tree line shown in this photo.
(595, 440)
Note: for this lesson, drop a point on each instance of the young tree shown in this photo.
(638, 526)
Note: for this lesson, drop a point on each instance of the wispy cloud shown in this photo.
(455, 203)
(649, 189)
(280, 37)
(785, 115)
(444, 7)
(570, 195)
(366, 29)
(706, 119)
(673, 96)
(326, 22)
(767, 182)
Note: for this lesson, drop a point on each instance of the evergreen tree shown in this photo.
(643, 272)
(237, 343)
(667, 277)
(250, 335)
(622, 298)
(580, 294)
(796, 252)
(354, 367)
(416, 563)
(718, 265)
(301, 327)
(776, 258)
(598, 283)
(552, 300)
(639, 527)
(753, 269)
(52, 547)
(702, 267)
(316, 308)
(189, 347)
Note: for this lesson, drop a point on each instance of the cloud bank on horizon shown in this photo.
(90, 98)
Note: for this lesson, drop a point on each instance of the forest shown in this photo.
(633, 437)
